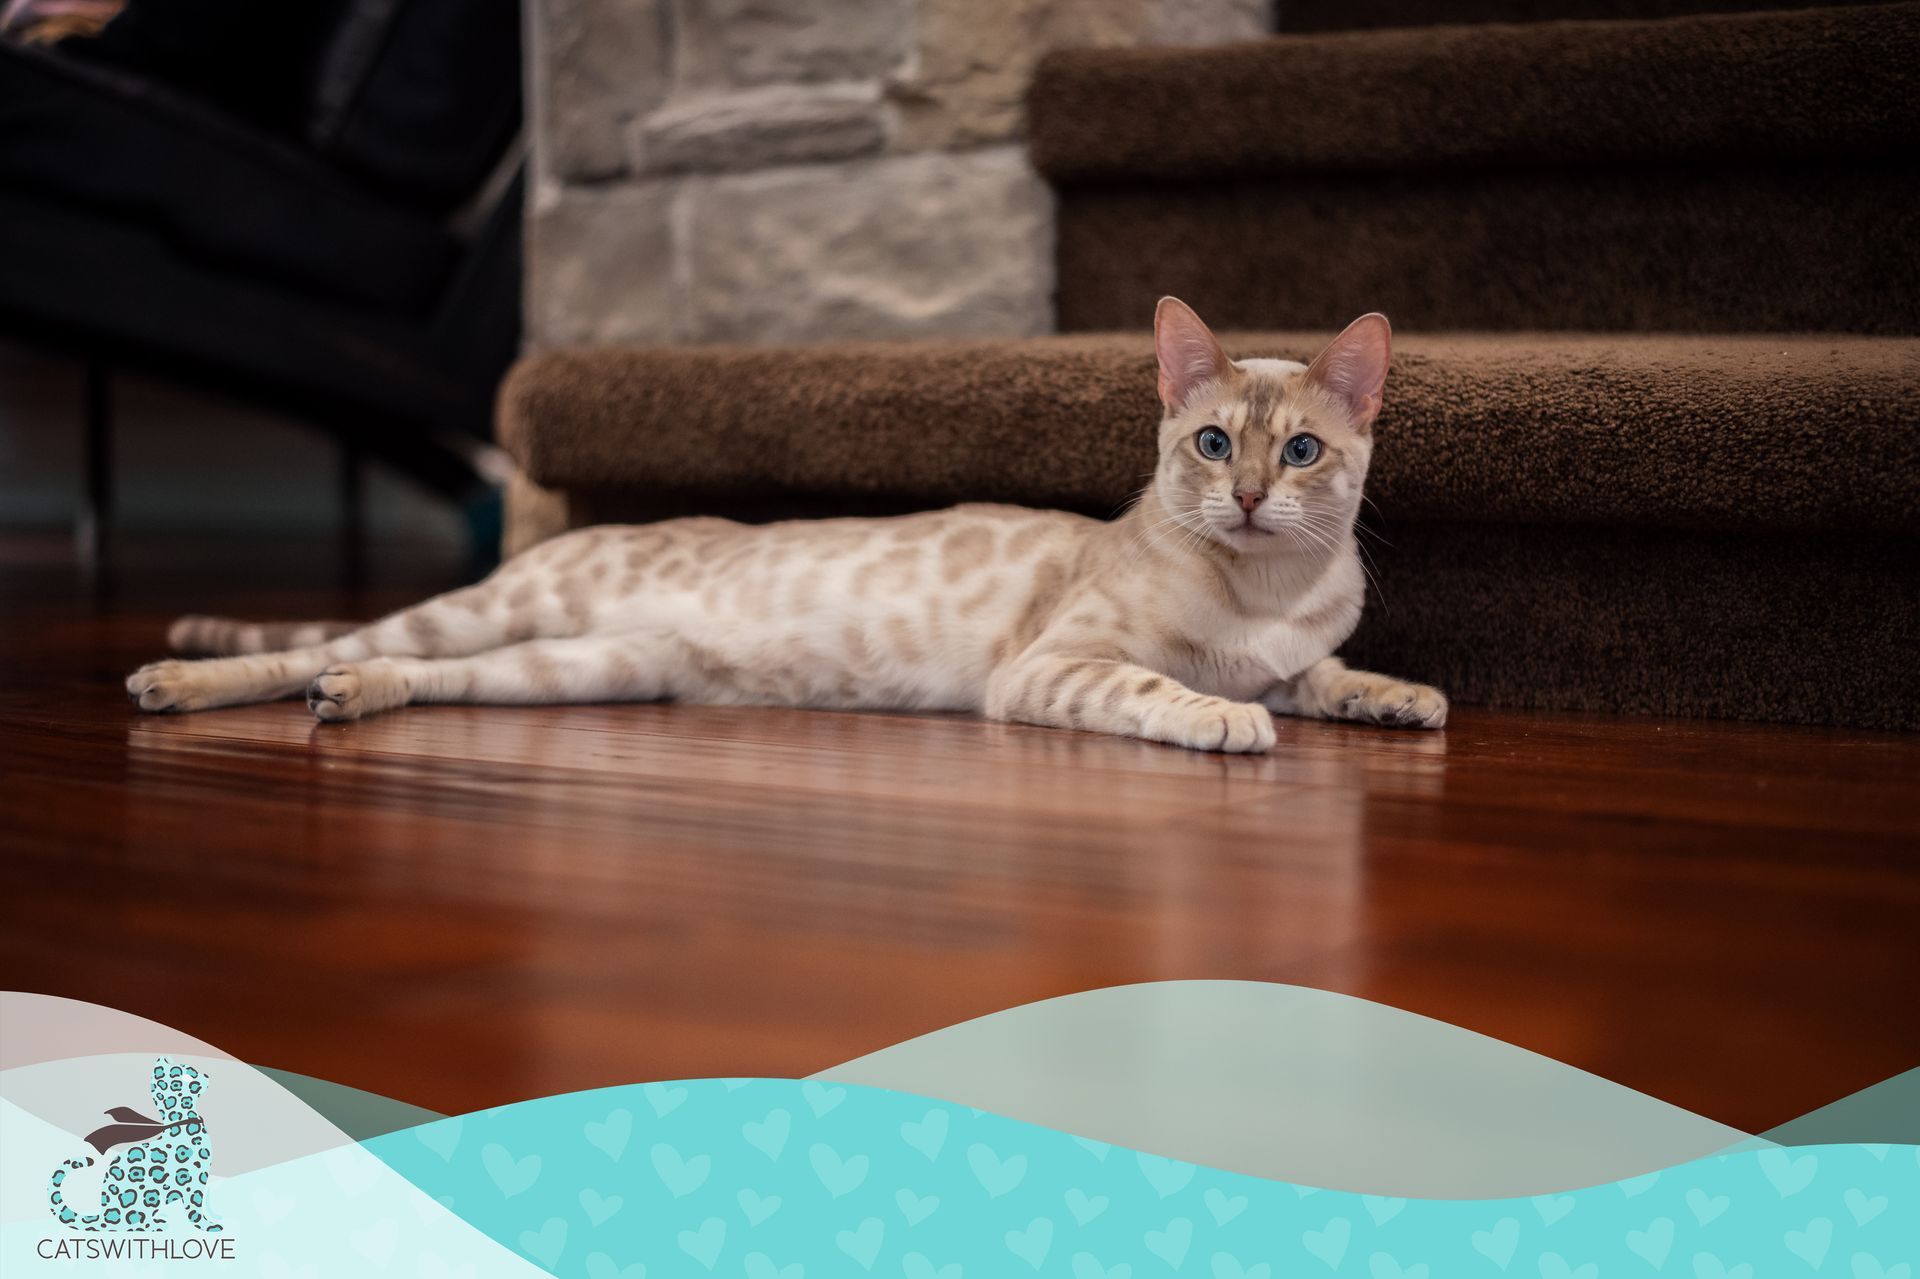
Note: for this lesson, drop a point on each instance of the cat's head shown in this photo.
(176, 1087)
(1265, 456)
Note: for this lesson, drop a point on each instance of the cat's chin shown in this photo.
(1251, 539)
(1248, 539)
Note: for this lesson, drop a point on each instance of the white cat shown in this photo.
(1219, 597)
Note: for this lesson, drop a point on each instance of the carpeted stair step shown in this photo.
(1723, 526)
(1359, 15)
(1720, 173)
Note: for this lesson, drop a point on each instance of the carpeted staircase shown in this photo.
(1672, 466)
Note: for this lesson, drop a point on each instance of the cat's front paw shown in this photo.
(167, 686)
(1240, 728)
(336, 695)
(1376, 699)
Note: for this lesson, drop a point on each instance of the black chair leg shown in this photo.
(353, 514)
(93, 529)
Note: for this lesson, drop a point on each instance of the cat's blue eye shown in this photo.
(1213, 443)
(1301, 450)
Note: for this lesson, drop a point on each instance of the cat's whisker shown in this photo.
(1307, 536)
(1178, 539)
(1368, 568)
(1126, 503)
(1362, 530)
(1171, 527)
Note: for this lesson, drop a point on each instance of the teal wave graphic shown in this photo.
(782, 1179)
(354, 1111)
(1302, 1085)
(1888, 1111)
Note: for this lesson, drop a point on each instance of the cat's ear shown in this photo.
(1188, 353)
(1353, 368)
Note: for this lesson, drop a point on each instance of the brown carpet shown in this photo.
(1813, 85)
(1781, 627)
(1777, 433)
(1692, 251)
(1700, 526)
(1358, 15)
(1753, 173)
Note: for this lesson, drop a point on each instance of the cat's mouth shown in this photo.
(1247, 525)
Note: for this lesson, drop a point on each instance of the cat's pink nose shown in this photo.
(1248, 500)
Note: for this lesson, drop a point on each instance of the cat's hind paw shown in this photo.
(167, 686)
(353, 690)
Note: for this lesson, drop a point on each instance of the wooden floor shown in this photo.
(461, 906)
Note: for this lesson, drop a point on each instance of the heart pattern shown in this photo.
(511, 1176)
(1088, 1266)
(1638, 1185)
(1789, 1173)
(915, 1208)
(547, 1243)
(1706, 1208)
(769, 1135)
(704, 1244)
(1811, 1244)
(1864, 1207)
(1552, 1207)
(997, 1176)
(820, 1098)
(441, 1137)
(1032, 1244)
(1708, 1266)
(1166, 1176)
(1222, 1207)
(1329, 1244)
(1382, 1208)
(863, 1244)
(598, 1207)
(886, 1184)
(1653, 1244)
(841, 1176)
(1171, 1244)
(1085, 1207)
(610, 1135)
(1498, 1243)
(756, 1207)
(759, 1265)
(664, 1098)
(680, 1175)
(602, 1266)
(928, 1135)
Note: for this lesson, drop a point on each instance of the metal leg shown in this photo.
(93, 528)
(353, 514)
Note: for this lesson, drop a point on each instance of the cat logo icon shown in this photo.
(158, 1173)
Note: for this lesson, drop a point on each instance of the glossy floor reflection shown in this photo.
(464, 906)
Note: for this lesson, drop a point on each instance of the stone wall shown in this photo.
(793, 170)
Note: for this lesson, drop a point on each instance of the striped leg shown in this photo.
(196, 636)
(463, 621)
(548, 592)
(592, 668)
(1106, 696)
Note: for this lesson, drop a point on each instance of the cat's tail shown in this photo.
(230, 637)
(57, 1201)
